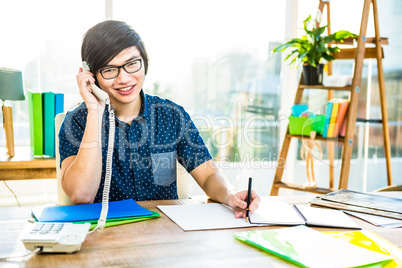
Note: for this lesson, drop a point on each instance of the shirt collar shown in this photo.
(144, 107)
(143, 114)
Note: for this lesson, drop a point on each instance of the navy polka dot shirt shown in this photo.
(145, 152)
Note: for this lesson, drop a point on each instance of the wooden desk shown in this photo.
(160, 242)
(23, 166)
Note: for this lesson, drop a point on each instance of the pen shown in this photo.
(248, 199)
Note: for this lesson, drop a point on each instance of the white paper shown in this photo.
(276, 213)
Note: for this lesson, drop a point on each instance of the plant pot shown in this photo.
(313, 75)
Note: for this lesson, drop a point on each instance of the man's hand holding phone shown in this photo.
(88, 89)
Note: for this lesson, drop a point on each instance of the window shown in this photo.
(213, 58)
(43, 40)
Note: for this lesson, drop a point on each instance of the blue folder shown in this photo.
(85, 212)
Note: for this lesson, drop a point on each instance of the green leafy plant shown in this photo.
(313, 46)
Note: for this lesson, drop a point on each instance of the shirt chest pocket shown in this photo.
(164, 168)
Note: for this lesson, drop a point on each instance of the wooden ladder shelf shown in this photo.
(358, 54)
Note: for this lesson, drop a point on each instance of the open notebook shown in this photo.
(218, 216)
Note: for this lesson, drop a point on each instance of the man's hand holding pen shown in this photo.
(238, 202)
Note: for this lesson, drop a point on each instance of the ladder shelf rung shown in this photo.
(369, 40)
(347, 88)
(350, 53)
(299, 187)
(321, 138)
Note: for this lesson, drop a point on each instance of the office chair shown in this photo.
(393, 188)
(62, 198)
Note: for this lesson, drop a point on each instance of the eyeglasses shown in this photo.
(129, 67)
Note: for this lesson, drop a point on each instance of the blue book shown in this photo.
(86, 212)
(59, 103)
(327, 119)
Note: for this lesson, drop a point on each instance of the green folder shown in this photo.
(306, 247)
(35, 122)
(119, 221)
(48, 107)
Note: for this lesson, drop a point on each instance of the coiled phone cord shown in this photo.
(108, 175)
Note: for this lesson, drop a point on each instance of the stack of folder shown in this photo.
(120, 212)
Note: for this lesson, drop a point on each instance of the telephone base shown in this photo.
(57, 237)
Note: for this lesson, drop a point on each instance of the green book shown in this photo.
(35, 122)
(48, 108)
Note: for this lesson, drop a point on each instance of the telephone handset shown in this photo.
(99, 93)
(102, 95)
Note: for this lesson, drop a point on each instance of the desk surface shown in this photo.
(160, 242)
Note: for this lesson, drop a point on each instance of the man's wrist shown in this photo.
(231, 195)
(94, 107)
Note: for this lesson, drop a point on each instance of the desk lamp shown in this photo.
(11, 88)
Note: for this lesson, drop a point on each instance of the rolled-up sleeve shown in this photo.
(71, 133)
(191, 149)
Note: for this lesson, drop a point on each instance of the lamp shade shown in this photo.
(11, 87)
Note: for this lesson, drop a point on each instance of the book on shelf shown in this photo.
(48, 100)
(332, 121)
(327, 119)
(342, 129)
(59, 103)
(341, 118)
(35, 122)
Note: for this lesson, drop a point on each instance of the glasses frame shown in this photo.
(119, 67)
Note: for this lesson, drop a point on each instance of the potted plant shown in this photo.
(311, 49)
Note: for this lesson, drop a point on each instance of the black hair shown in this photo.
(105, 40)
